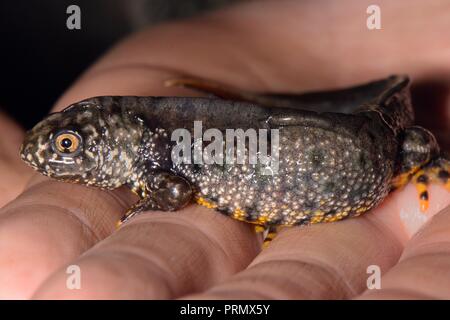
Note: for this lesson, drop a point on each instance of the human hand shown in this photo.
(198, 253)
(11, 167)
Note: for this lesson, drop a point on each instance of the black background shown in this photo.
(280, 309)
(40, 57)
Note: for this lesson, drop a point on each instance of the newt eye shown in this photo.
(67, 142)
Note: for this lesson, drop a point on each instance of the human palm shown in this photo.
(267, 46)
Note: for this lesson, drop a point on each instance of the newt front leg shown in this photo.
(164, 191)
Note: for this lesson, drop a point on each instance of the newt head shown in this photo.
(66, 145)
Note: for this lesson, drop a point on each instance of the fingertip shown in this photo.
(402, 213)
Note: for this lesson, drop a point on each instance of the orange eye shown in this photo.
(67, 142)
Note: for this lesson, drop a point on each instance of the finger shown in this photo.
(13, 171)
(329, 261)
(423, 271)
(46, 226)
(160, 255)
(242, 45)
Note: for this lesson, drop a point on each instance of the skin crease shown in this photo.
(197, 253)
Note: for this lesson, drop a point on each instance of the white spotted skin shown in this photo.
(323, 182)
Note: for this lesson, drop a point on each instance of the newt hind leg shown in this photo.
(422, 164)
(437, 171)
